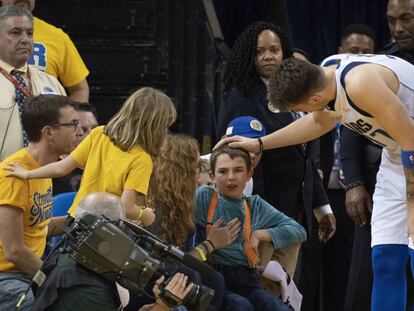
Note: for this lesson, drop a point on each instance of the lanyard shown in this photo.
(17, 84)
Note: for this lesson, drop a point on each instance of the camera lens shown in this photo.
(198, 298)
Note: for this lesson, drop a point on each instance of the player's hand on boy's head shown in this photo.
(248, 144)
(222, 236)
(16, 170)
(327, 227)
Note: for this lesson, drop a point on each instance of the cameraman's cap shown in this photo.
(246, 126)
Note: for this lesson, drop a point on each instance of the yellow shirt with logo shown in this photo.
(108, 168)
(33, 198)
(55, 52)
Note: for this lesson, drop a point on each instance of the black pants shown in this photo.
(337, 253)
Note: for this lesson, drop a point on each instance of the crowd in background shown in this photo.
(307, 206)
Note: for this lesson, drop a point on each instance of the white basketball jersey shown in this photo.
(355, 118)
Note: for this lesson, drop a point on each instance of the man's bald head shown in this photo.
(400, 14)
(101, 203)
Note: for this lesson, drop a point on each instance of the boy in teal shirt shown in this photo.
(231, 169)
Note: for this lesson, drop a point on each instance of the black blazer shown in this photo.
(286, 177)
(327, 155)
(360, 159)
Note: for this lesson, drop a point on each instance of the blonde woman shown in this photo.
(117, 157)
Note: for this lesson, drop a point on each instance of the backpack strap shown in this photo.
(252, 256)
(211, 210)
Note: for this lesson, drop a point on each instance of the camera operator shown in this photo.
(69, 286)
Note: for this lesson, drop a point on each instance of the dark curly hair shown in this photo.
(240, 71)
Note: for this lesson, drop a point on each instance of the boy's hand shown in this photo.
(254, 241)
(16, 170)
(257, 236)
(222, 236)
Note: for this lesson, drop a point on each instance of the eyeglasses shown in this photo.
(74, 123)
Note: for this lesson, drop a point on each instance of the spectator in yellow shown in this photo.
(55, 53)
(17, 80)
(52, 125)
(117, 157)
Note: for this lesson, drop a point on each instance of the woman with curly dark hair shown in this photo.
(172, 189)
(249, 60)
(171, 194)
(287, 177)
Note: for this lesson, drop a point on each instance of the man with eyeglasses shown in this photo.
(87, 122)
(52, 126)
(18, 81)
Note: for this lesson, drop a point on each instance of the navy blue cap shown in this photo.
(246, 126)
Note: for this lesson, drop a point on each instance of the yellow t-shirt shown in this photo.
(108, 168)
(54, 52)
(34, 198)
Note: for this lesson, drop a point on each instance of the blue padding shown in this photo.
(62, 202)
(390, 283)
(407, 158)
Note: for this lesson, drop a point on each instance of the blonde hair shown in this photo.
(143, 120)
(172, 187)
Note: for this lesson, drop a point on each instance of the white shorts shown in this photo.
(389, 215)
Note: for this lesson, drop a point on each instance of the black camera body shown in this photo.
(125, 253)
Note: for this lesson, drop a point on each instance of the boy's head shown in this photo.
(247, 126)
(231, 169)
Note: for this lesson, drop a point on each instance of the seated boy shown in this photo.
(231, 169)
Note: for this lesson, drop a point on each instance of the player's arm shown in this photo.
(307, 128)
(80, 91)
(11, 236)
(378, 98)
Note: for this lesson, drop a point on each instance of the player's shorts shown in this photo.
(389, 215)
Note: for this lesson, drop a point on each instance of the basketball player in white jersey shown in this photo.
(374, 96)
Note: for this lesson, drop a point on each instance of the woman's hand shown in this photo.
(16, 170)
